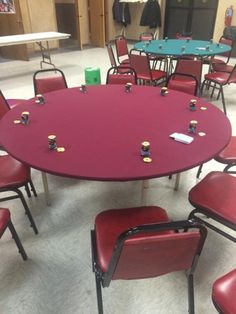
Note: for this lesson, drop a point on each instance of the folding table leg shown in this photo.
(46, 189)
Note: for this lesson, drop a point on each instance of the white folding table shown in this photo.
(38, 38)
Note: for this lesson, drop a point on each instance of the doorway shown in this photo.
(190, 16)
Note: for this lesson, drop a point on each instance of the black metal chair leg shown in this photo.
(99, 295)
(27, 190)
(199, 171)
(223, 99)
(32, 188)
(27, 210)
(17, 241)
(190, 294)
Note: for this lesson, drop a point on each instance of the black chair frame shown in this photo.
(104, 279)
(116, 70)
(48, 70)
(20, 195)
(204, 211)
(16, 238)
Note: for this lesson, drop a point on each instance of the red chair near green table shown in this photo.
(6, 223)
(187, 76)
(139, 61)
(220, 61)
(121, 67)
(154, 59)
(122, 50)
(217, 80)
(142, 242)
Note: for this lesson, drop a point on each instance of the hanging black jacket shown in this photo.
(151, 15)
(121, 13)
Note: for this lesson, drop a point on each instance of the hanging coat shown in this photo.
(151, 15)
(121, 13)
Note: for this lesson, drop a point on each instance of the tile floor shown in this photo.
(57, 278)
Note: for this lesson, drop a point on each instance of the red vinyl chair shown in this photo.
(187, 76)
(227, 157)
(122, 68)
(48, 80)
(122, 50)
(224, 292)
(5, 222)
(214, 198)
(13, 176)
(139, 61)
(221, 60)
(217, 80)
(142, 242)
(154, 59)
(9, 103)
(114, 76)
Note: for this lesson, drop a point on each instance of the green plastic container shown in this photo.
(92, 76)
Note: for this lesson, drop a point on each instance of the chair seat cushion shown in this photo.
(216, 194)
(116, 221)
(224, 292)
(12, 172)
(228, 155)
(4, 219)
(158, 74)
(217, 77)
(222, 67)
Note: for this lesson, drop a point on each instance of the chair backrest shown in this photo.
(191, 67)
(4, 107)
(232, 76)
(114, 76)
(157, 249)
(48, 80)
(121, 47)
(228, 42)
(183, 35)
(111, 55)
(186, 83)
(146, 36)
(140, 63)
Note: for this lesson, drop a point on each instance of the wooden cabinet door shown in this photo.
(97, 22)
(82, 22)
(12, 24)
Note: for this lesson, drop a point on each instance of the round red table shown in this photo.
(102, 131)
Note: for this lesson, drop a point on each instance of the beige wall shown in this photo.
(220, 18)
(43, 18)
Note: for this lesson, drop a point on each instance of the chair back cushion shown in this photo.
(121, 47)
(145, 256)
(49, 84)
(140, 64)
(192, 67)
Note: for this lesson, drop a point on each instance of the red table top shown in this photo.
(102, 131)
